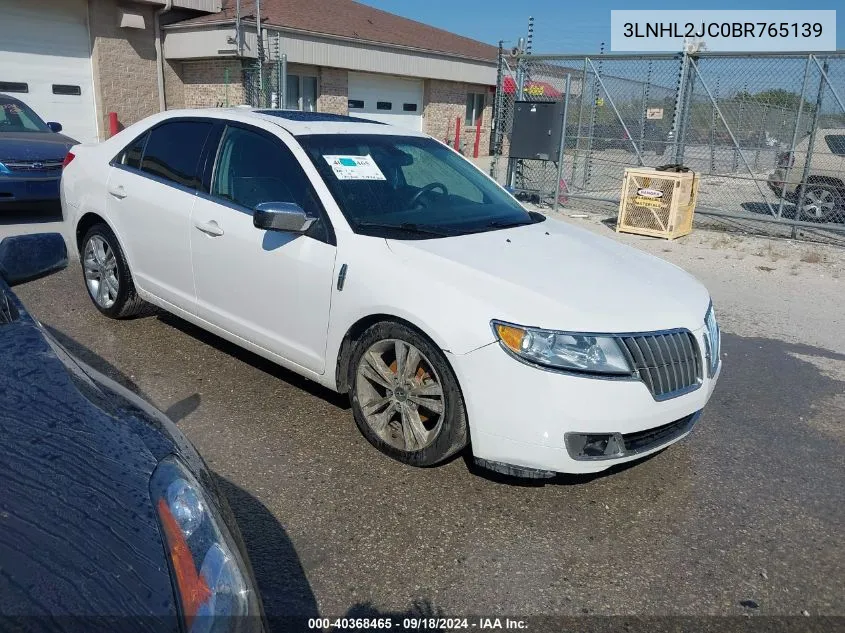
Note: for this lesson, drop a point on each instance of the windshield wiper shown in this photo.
(510, 224)
(408, 227)
(499, 224)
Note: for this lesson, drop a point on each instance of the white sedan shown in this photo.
(377, 261)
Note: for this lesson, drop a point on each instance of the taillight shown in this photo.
(786, 159)
(70, 156)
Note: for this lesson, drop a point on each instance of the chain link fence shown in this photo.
(765, 132)
(265, 79)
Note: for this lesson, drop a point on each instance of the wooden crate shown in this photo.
(657, 203)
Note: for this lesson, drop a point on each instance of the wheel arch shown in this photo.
(354, 333)
(827, 180)
(85, 223)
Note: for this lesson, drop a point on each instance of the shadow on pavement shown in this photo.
(295, 380)
(49, 213)
(788, 212)
(281, 579)
(94, 360)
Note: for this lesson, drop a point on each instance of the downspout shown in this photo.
(168, 5)
(238, 37)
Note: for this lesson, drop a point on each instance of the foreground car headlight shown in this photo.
(4, 169)
(585, 353)
(214, 589)
(713, 341)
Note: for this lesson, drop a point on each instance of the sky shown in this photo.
(561, 26)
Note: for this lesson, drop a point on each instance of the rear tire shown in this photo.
(405, 397)
(107, 276)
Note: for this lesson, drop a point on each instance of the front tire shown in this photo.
(822, 203)
(107, 276)
(405, 397)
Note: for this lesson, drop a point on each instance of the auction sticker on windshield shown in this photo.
(354, 167)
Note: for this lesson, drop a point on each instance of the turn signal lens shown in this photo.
(193, 590)
(511, 336)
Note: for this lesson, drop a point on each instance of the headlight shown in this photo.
(713, 340)
(4, 169)
(570, 351)
(214, 590)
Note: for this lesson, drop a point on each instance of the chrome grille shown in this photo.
(33, 165)
(669, 363)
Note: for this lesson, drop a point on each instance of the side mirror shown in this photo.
(56, 127)
(281, 216)
(27, 257)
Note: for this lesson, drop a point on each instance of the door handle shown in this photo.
(209, 228)
(117, 191)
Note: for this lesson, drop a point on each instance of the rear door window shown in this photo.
(173, 151)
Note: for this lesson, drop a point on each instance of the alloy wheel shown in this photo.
(400, 394)
(101, 275)
(819, 204)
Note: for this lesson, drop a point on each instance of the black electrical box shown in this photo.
(536, 130)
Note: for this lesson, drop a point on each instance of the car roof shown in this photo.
(298, 123)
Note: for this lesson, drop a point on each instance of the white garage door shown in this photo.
(393, 100)
(45, 61)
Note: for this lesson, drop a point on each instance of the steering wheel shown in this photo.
(428, 188)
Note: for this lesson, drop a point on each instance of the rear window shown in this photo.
(836, 143)
(173, 151)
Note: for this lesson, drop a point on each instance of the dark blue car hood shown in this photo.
(34, 146)
(78, 533)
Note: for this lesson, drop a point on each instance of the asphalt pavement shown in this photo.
(744, 517)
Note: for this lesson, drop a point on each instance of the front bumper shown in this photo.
(520, 415)
(18, 191)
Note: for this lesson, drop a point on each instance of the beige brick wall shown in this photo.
(445, 101)
(206, 83)
(174, 85)
(333, 85)
(124, 65)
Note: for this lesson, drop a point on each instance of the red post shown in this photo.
(114, 124)
(457, 134)
(477, 137)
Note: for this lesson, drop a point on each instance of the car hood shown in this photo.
(78, 533)
(554, 275)
(34, 146)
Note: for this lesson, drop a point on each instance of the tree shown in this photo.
(775, 97)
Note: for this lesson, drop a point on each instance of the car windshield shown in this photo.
(16, 116)
(410, 187)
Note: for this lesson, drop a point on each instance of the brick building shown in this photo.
(77, 60)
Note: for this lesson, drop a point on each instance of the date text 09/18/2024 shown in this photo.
(419, 623)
